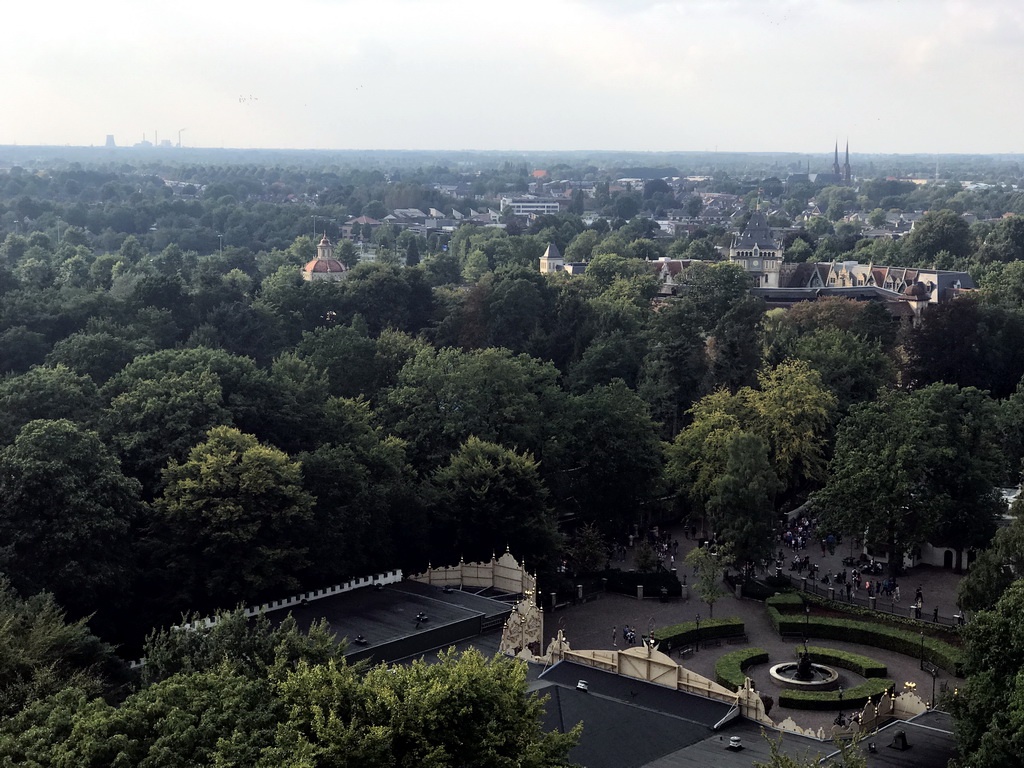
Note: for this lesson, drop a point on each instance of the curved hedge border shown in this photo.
(730, 668)
(907, 642)
(864, 666)
(853, 698)
(675, 635)
(928, 627)
(939, 653)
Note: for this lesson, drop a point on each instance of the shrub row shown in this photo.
(928, 627)
(853, 698)
(730, 668)
(676, 635)
(902, 641)
(785, 600)
(864, 666)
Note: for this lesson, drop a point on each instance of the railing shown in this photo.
(881, 603)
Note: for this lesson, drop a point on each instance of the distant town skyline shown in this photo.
(917, 76)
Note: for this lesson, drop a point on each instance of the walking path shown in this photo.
(590, 626)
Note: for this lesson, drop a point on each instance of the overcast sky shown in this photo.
(746, 75)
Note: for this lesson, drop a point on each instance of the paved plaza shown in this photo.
(590, 626)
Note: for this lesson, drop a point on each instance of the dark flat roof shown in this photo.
(384, 615)
(615, 734)
(714, 751)
(639, 693)
(931, 740)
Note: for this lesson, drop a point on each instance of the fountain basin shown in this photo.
(823, 678)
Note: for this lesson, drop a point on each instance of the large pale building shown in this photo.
(758, 252)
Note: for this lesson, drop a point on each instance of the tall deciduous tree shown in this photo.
(916, 466)
(606, 464)
(46, 393)
(235, 520)
(709, 566)
(989, 709)
(444, 396)
(43, 653)
(461, 711)
(489, 499)
(66, 516)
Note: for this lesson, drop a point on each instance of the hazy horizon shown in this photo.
(752, 76)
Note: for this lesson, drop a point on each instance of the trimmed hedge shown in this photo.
(785, 600)
(730, 669)
(891, 619)
(908, 643)
(853, 698)
(864, 666)
(710, 629)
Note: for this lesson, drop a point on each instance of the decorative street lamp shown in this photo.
(696, 645)
(807, 623)
(922, 650)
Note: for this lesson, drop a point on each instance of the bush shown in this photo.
(686, 633)
(864, 666)
(730, 668)
(785, 600)
(908, 643)
(879, 617)
(853, 698)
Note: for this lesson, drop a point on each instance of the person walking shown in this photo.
(615, 636)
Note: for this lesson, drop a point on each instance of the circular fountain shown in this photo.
(805, 675)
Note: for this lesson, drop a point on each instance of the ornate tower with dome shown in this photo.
(324, 266)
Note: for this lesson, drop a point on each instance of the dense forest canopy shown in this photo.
(186, 424)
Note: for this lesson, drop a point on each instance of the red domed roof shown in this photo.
(324, 265)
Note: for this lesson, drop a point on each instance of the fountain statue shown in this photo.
(804, 671)
(804, 674)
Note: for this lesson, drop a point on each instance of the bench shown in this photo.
(715, 642)
(686, 652)
(736, 640)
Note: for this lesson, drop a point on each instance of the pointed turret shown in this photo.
(847, 175)
(552, 260)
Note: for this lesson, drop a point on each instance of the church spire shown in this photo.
(847, 175)
(835, 163)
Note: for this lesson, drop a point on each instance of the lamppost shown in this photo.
(696, 645)
(221, 238)
(922, 650)
(807, 623)
(840, 720)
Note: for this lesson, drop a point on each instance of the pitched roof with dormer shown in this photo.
(756, 233)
